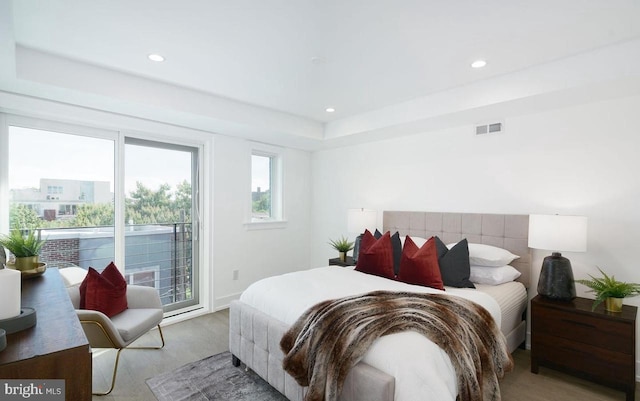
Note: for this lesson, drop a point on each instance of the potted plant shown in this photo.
(25, 249)
(610, 290)
(342, 245)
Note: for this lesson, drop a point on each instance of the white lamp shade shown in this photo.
(558, 233)
(359, 220)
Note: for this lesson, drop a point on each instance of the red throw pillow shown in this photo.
(420, 265)
(106, 292)
(376, 255)
(112, 274)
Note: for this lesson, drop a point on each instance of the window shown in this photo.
(42, 191)
(148, 277)
(261, 187)
(67, 210)
(53, 189)
(266, 187)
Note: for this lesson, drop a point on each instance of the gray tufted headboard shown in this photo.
(508, 231)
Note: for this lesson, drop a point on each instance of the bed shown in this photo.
(268, 308)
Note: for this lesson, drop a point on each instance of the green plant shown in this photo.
(22, 245)
(341, 245)
(608, 287)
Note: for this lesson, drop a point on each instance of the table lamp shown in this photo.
(359, 220)
(557, 233)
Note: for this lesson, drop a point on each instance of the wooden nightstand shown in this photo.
(598, 346)
(337, 262)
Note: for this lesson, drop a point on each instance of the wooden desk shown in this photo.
(56, 347)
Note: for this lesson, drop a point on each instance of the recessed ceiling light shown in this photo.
(478, 64)
(329, 109)
(155, 57)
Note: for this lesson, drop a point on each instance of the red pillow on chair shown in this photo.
(376, 256)
(420, 265)
(106, 292)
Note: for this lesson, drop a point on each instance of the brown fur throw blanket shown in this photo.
(332, 336)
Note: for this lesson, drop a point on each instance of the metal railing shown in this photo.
(156, 255)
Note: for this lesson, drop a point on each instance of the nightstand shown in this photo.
(338, 262)
(598, 346)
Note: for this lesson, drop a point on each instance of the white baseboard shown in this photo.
(181, 317)
(224, 302)
(220, 304)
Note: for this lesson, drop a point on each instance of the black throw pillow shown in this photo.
(396, 246)
(454, 264)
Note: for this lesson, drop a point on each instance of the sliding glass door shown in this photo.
(98, 196)
(160, 187)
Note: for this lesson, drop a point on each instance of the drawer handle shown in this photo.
(579, 323)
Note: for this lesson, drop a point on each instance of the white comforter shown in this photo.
(420, 367)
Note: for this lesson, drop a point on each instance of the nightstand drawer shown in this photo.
(606, 365)
(606, 334)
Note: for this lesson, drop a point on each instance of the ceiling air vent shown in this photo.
(490, 128)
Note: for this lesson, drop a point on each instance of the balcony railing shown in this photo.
(156, 255)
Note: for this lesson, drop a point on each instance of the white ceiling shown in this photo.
(301, 56)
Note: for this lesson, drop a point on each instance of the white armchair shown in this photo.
(143, 314)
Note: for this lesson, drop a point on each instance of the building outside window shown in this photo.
(266, 185)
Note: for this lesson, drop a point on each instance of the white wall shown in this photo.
(583, 160)
(255, 253)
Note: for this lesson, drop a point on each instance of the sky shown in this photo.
(259, 173)
(35, 154)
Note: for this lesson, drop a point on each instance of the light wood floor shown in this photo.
(208, 335)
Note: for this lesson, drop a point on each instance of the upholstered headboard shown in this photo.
(508, 231)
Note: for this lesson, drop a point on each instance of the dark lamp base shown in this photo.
(556, 278)
(356, 248)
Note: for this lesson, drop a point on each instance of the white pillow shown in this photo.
(419, 241)
(493, 275)
(487, 255)
(72, 275)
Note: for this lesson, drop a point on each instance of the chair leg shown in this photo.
(115, 367)
(153, 347)
(115, 371)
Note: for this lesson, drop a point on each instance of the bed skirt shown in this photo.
(254, 339)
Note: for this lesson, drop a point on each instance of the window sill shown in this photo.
(265, 225)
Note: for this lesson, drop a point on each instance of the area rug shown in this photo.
(212, 378)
